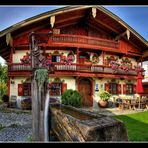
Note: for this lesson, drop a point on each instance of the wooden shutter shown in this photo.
(64, 87)
(29, 87)
(20, 90)
(124, 88)
(107, 87)
(134, 89)
(119, 88)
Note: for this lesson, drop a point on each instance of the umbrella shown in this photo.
(139, 86)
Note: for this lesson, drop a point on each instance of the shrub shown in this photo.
(5, 98)
(71, 97)
(104, 95)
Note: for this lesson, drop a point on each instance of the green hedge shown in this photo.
(71, 97)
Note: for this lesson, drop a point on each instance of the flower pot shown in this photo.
(103, 104)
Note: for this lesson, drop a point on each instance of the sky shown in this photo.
(134, 16)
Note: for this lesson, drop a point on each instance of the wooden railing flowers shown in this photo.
(138, 68)
(125, 67)
(69, 59)
(114, 65)
(26, 59)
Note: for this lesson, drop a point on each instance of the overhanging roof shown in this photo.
(70, 15)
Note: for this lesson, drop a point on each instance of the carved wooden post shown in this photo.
(35, 95)
(38, 89)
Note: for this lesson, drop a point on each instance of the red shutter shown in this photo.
(124, 88)
(29, 85)
(64, 87)
(107, 87)
(119, 88)
(50, 89)
(20, 90)
(134, 89)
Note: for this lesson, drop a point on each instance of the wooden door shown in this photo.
(85, 91)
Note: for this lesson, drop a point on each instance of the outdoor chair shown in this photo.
(126, 104)
(13, 101)
(134, 104)
(143, 103)
(118, 102)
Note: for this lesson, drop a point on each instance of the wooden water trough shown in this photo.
(73, 124)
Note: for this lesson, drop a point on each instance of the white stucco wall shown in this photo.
(19, 55)
(71, 84)
(101, 83)
(14, 89)
(65, 53)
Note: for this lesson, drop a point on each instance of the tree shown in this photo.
(3, 80)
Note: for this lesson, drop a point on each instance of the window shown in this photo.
(113, 88)
(56, 58)
(55, 89)
(27, 89)
(129, 89)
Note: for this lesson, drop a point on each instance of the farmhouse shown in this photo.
(90, 48)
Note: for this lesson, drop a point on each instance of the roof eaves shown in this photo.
(115, 17)
(40, 17)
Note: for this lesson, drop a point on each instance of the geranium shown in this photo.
(125, 67)
(68, 60)
(26, 59)
(114, 65)
(138, 68)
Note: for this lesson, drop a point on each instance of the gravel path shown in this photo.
(15, 127)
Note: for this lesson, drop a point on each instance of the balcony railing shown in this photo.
(74, 67)
(19, 67)
(78, 39)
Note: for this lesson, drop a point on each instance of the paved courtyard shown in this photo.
(15, 127)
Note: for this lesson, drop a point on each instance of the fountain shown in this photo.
(73, 124)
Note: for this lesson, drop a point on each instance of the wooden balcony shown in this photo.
(82, 41)
(61, 67)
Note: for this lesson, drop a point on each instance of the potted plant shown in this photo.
(104, 97)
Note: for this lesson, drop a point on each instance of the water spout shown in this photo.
(46, 117)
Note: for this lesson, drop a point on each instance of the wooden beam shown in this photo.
(95, 27)
(69, 19)
(32, 29)
(87, 74)
(3, 50)
(64, 25)
(107, 26)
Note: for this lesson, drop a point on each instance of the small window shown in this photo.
(27, 89)
(113, 88)
(129, 89)
(56, 58)
(55, 89)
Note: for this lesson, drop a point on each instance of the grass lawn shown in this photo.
(137, 125)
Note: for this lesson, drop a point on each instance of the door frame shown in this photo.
(91, 87)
